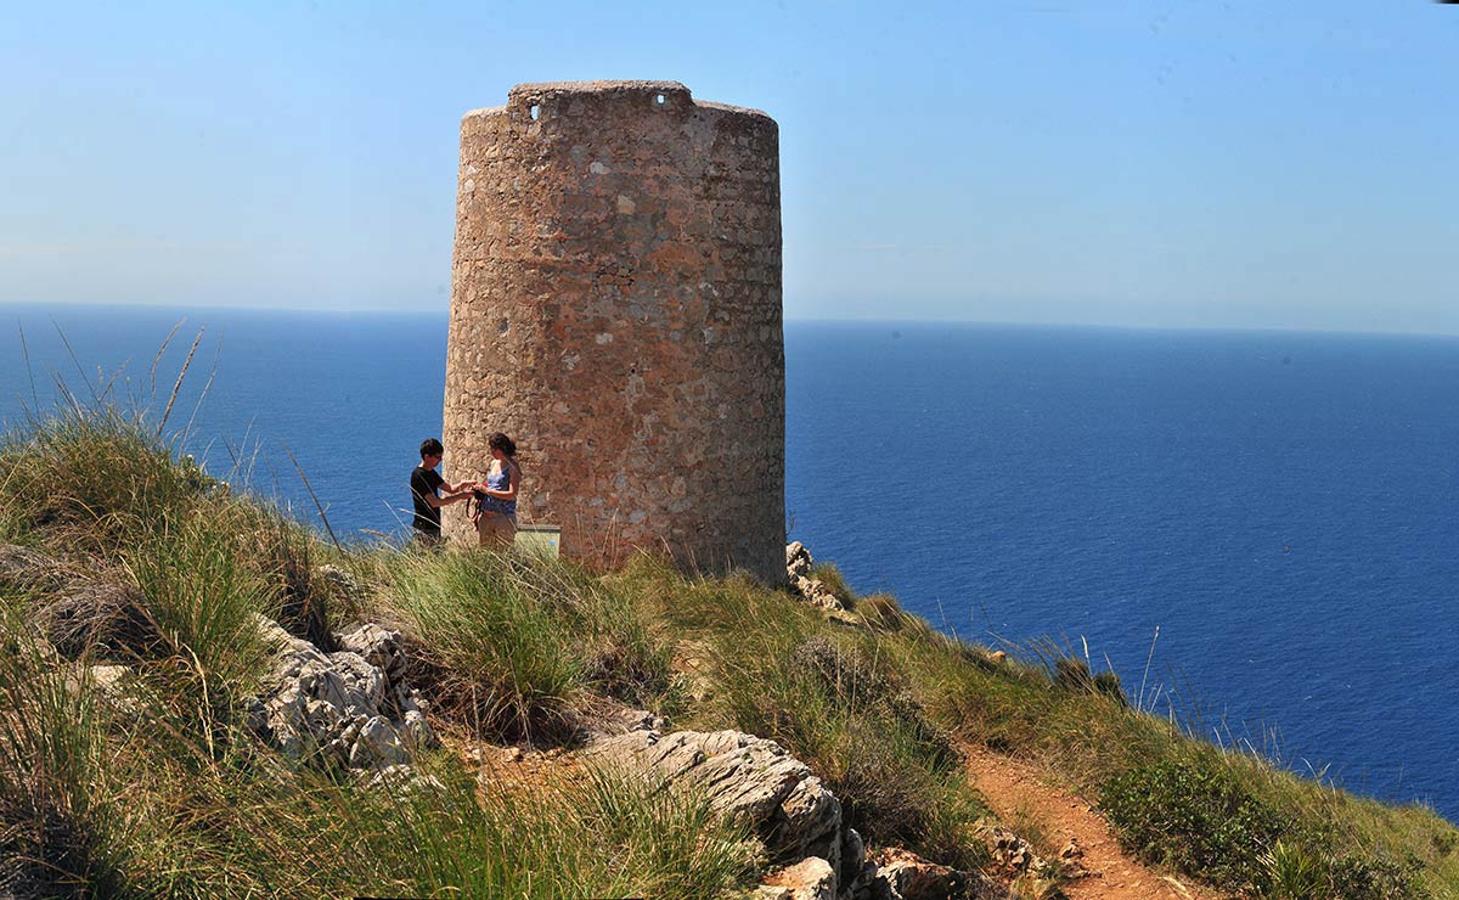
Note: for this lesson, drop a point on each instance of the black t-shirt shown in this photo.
(423, 483)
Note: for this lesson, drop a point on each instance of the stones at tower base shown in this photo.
(798, 563)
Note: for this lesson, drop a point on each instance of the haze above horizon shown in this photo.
(1147, 164)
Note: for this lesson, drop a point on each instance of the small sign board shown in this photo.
(539, 540)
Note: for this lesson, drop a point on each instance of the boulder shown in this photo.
(910, 877)
(749, 779)
(896, 874)
(798, 563)
(810, 879)
(338, 705)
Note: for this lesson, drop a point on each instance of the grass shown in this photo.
(513, 647)
(164, 792)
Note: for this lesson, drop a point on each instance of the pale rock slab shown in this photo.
(749, 779)
(338, 704)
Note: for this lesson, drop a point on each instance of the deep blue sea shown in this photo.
(1281, 506)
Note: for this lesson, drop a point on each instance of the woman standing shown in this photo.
(496, 522)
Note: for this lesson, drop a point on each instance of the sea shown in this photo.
(1255, 530)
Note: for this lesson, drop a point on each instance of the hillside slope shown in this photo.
(151, 744)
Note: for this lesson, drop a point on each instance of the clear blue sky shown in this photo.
(1247, 164)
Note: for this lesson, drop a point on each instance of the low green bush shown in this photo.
(92, 480)
(1197, 819)
(499, 655)
(202, 594)
(54, 826)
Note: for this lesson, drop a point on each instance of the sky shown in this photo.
(1240, 164)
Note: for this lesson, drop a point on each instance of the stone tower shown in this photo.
(615, 308)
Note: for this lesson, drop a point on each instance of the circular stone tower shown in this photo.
(615, 308)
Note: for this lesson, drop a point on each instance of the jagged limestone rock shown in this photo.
(338, 704)
(798, 564)
(404, 780)
(810, 879)
(798, 560)
(749, 779)
(380, 647)
(897, 874)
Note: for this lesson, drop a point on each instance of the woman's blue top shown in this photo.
(501, 481)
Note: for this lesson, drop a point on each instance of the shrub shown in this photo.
(1196, 818)
(284, 554)
(1291, 873)
(881, 611)
(1073, 675)
(500, 655)
(53, 825)
(832, 705)
(203, 596)
(93, 480)
(831, 577)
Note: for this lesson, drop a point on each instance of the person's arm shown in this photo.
(435, 502)
(422, 487)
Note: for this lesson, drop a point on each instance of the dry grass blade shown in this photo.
(157, 359)
(177, 385)
(77, 363)
(315, 497)
(30, 372)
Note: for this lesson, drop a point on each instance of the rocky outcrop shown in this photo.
(342, 706)
(1013, 854)
(810, 879)
(749, 779)
(896, 874)
(798, 565)
(755, 781)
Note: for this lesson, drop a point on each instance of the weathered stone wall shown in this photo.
(616, 309)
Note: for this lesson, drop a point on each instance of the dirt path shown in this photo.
(1014, 789)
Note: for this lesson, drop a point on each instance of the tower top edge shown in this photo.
(524, 97)
(634, 86)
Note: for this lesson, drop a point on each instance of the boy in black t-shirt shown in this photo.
(425, 484)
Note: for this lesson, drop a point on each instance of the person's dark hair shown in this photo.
(431, 447)
(499, 441)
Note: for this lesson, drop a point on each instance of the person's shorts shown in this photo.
(496, 527)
